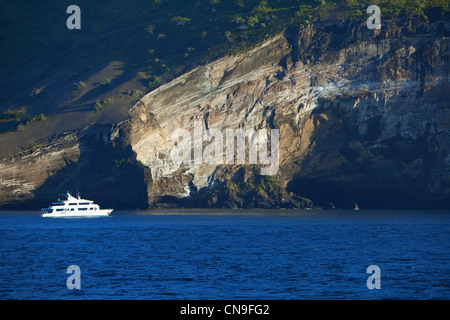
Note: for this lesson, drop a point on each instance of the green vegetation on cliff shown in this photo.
(259, 184)
(163, 36)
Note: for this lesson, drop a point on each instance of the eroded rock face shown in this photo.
(20, 177)
(363, 116)
(96, 162)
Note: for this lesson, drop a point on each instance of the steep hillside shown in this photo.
(362, 117)
(362, 114)
(76, 78)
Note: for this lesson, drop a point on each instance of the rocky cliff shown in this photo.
(363, 116)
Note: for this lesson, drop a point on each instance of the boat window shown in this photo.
(91, 209)
(82, 209)
(84, 203)
(59, 210)
(73, 204)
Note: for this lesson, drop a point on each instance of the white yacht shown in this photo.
(75, 207)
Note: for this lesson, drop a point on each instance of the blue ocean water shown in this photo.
(271, 255)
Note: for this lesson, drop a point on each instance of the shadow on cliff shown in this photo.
(346, 166)
(106, 172)
(352, 158)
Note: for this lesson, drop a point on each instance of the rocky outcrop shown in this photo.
(363, 115)
(22, 175)
(96, 162)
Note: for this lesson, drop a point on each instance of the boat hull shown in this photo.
(99, 213)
